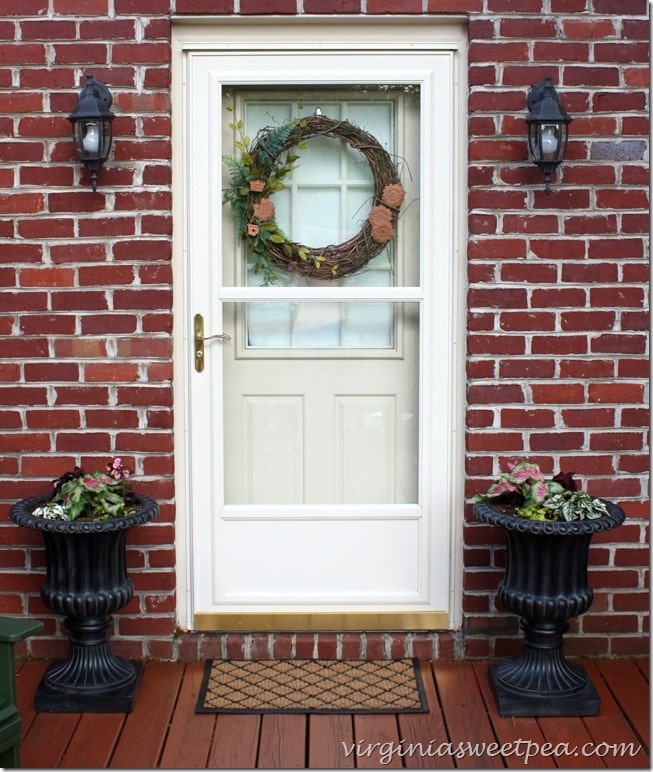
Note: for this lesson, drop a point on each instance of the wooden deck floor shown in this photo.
(462, 729)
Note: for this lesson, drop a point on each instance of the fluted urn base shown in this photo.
(91, 679)
(545, 583)
(541, 682)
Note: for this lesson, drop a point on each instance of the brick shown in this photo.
(76, 442)
(113, 418)
(526, 419)
(267, 6)
(494, 441)
(24, 301)
(21, 203)
(497, 344)
(590, 273)
(588, 417)
(77, 300)
(590, 76)
(558, 298)
(23, 442)
(619, 344)
(107, 29)
(142, 299)
(557, 52)
(80, 347)
(497, 298)
(102, 324)
(571, 321)
(46, 277)
(526, 368)
(39, 372)
(558, 393)
(557, 249)
(588, 29)
(616, 297)
(527, 27)
(625, 52)
(616, 441)
(501, 249)
(621, 199)
(594, 368)
(527, 272)
(608, 101)
(525, 223)
(82, 395)
(556, 441)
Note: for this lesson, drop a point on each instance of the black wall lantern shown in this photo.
(92, 132)
(548, 128)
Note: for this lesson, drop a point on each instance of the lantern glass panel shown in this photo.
(547, 141)
(92, 139)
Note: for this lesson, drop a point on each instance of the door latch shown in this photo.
(199, 338)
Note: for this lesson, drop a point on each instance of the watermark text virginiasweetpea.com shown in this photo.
(527, 750)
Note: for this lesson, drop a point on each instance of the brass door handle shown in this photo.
(199, 338)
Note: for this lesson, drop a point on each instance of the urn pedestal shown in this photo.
(546, 584)
(87, 582)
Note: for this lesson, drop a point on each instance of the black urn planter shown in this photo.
(87, 581)
(546, 584)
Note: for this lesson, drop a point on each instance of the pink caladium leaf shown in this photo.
(538, 491)
(524, 472)
(503, 486)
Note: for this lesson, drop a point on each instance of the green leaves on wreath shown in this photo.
(269, 144)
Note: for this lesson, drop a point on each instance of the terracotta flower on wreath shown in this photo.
(393, 195)
(380, 218)
(252, 229)
(264, 210)
(379, 214)
(382, 232)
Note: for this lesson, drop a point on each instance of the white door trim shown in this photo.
(402, 39)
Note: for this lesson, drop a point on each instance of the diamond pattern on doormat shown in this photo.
(312, 686)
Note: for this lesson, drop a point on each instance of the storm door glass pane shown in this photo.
(325, 202)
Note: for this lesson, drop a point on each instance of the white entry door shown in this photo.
(320, 424)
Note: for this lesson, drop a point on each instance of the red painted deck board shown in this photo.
(631, 691)
(522, 737)
(468, 726)
(611, 728)
(145, 731)
(235, 743)
(461, 730)
(329, 739)
(189, 738)
(424, 733)
(283, 741)
(375, 736)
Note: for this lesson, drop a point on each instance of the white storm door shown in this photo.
(319, 442)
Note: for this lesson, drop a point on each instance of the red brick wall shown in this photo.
(557, 346)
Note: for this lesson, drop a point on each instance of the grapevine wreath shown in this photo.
(258, 173)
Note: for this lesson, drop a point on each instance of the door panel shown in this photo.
(318, 562)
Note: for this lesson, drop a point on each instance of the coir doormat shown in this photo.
(312, 686)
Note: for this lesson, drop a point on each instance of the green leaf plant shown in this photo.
(96, 495)
(524, 489)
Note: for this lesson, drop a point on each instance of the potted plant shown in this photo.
(548, 525)
(84, 523)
